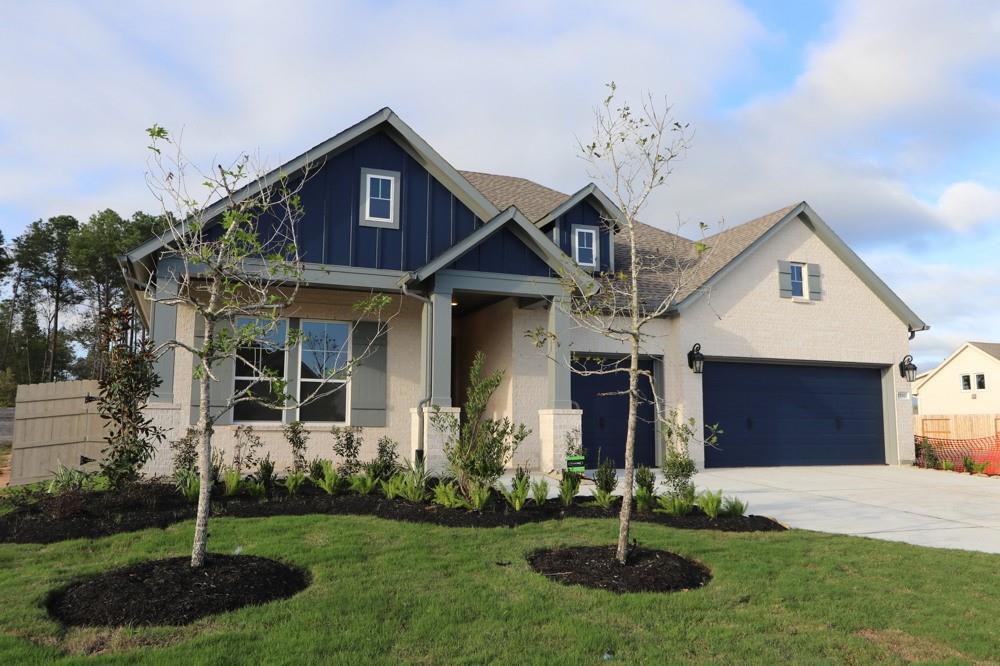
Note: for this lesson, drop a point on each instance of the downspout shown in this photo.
(428, 354)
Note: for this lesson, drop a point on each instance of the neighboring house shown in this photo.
(802, 340)
(967, 382)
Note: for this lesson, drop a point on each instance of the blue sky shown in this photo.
(883, 115)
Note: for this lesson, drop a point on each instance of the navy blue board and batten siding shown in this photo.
(432, 219)
(584, 214)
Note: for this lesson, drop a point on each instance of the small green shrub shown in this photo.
(517, 496)
(734, 507)
(248, 442)
(447, 494)
(386, 460)
(606, 476)
(967, 464)
(293, 481)
(569, 486)
(66, 479)
(188, 484)
(185, 452)
(926, 453)
(540, 491)
(710, 503)
(603, 498)
(979, 467)
(257, 489)
(297, 437)
(678, 470)
(347, 442)
(644, 499)
(677, 505)
(317, 469)
(363, 484)
(265, 473)
(331, 482)
(522, 473)
(231, 481)
(393, 487)
(645, 479)
(479, 495)
(946, 465)
(410, 484)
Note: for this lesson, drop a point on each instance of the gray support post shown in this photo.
(164, 328)
(559, 358)
(441, 348)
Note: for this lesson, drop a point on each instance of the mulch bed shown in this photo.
(647, 570)
(47, 519)
(170, 592)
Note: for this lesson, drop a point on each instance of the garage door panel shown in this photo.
(774, 414)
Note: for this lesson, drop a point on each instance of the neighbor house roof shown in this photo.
(991, 348)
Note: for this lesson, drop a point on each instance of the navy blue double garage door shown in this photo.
(774, 414)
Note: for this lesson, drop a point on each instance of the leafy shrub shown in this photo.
(265, 473)
(734, 507)
(297, 436)
(946, 465)
(257, 489)
(517, 496)
(644, 499)
(363, 484)
(393, 487)
(188, 484)
(185, 452)
(573, 443)
(478, 448)
(645, 479)
(679, 504)
(125, 388)
(293, 481)
(245, 449)
(603, 498)
(606, 476)
(330, 482)
(347, 442)
(569, 486)
(479, 496)
(410, 484)
(710, 503)
(386, 460)
(926, 453)
(979, 467)
(447, 494)
(231, 481)
(678, 470)
(522, 473)
(317, 469)
(540, 491)
(967, 464)
(66, 479)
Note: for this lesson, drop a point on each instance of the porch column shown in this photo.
(559, 357)
(441, 348)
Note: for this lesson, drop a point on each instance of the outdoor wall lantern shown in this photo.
(696, 360)
(907, 369)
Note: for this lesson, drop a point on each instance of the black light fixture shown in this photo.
(90, 398)
(907, 369)
(84, 460)
(696, 360)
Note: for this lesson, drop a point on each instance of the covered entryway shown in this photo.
(776, 414)
(604, 402)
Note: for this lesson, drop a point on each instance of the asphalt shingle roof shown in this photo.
(991, 348)
(532, 199)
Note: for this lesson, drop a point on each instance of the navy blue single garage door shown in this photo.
(605, 416)
(793, 414)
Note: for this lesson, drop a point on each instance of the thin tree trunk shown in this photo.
(55, 334)
(10, 318)
(625, 517)
(200, 544)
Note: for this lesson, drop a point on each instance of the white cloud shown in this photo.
(966, 204)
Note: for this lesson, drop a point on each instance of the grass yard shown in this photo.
(391, 592)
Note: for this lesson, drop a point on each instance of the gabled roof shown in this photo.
(532, 199)
(589, 191)
(523, 229)
(386, 118)
(991, 349)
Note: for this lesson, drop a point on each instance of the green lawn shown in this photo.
(387, 592)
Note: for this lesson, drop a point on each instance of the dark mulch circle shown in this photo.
(170, 592)
(74, 515)
(647, 570)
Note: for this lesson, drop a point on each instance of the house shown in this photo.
(801, 340)
(967, 382)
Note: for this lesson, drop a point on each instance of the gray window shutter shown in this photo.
(220, 391)
(815, 282)
(368, 381)
(785, 279)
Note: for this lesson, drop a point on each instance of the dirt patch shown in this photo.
(647, 570)
(42, 518)
(170, 592)
(910, 648)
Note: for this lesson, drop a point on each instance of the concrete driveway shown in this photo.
(918, 506)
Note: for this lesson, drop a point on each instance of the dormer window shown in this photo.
(585, 246)
(379, 199)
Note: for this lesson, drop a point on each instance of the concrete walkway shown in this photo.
(918, 506)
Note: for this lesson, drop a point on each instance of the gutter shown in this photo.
(428, 354)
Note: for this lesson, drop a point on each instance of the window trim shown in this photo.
(347, 390)
(804, 281)
(365, 219)
(595, 235)
(961, 380)
(236, 378)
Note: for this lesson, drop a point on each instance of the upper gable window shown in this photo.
(981, 382)
(585, 246)
(798, 280)
(379, 199)
(966, 383)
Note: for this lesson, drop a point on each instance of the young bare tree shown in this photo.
(232, 251)
(631, 155)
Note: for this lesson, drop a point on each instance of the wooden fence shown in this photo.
(956, 426)
(53, 426)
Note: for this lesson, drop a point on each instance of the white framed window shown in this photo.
(798, 280)
(379, 199)
(966, 382)
(256, 365)
(324, 354)
(585, 246)
(980, 382)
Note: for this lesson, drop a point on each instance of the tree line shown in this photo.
(63, 280)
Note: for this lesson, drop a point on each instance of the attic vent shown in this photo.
(902, 395)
